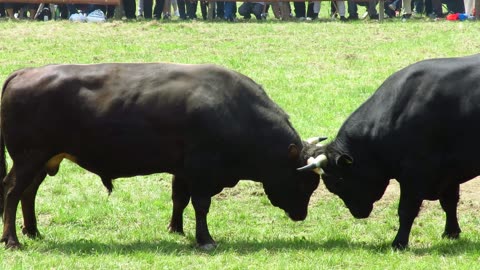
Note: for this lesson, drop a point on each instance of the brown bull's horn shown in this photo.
(315, 140)
(315, 163)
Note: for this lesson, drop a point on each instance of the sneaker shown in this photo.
(406, 17)
(96, 16)
(392, 7)
(364, 15)
(352, 17)
(374, 17)
(343, 19)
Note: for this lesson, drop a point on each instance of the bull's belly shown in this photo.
(115, 165)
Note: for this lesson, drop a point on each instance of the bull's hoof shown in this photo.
(176, 230)
(12, 244)
(451, 235)
(208, 246)
(31, 233)
(399, 245)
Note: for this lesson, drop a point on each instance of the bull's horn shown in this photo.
(315, 140)
(315, 163)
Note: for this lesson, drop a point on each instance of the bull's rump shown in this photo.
(116, 119)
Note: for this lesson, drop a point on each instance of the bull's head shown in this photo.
(358, 186)
(292, 189)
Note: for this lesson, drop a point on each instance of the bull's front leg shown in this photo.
(449, 202)
(407, 212)
(201, 204)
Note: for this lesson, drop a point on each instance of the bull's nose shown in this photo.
(361, 213)
(297, 217)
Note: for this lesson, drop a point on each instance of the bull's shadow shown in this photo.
(87, 247)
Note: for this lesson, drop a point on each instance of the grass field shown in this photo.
(319, 72)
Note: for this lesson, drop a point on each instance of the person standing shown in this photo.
(129, 7)
(249, 8)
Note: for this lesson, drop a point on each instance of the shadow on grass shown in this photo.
(87, 248)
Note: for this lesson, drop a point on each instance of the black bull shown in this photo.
(206, 125)
(421, 127)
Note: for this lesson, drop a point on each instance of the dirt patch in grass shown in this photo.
(469, 195)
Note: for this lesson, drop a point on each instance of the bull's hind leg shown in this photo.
(180, 198)
(28, 207)
(449, 202)
(17, 181)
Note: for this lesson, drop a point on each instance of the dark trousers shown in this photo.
(434, 6)
(129, 7)
(299, 9)
(2, 10)
(186, 9)
(148, 9)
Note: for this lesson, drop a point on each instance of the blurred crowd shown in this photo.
(188, 10)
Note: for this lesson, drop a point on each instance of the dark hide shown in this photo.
(420, 128)
(206, 125)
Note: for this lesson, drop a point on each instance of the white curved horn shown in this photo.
(315, 163)
(315, 140)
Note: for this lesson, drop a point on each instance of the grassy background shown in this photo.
(319, 72)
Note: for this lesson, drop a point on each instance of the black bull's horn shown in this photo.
(314, 163)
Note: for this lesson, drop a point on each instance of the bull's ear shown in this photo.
(344, 161)
(293, 152)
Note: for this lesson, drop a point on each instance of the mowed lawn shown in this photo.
(318, 72)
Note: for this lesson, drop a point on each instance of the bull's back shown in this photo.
(127, 118)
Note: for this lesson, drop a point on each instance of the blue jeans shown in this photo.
(230, 8)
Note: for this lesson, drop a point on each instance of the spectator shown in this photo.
(148, 11)
(230, 9)
(2, 10)
(140, 8)
(218, 10)
(454, 6)
(255, 8)
(129, 7)
(299, 10)
(166, 10)
(192, 9)
(370, 5)
(407, 9)
(11, 8)
(183, 7)
(434, 9)
(469, 6)
(338, 6)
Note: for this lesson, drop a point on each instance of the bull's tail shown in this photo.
(3, 158)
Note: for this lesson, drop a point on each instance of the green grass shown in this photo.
(319, 72)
